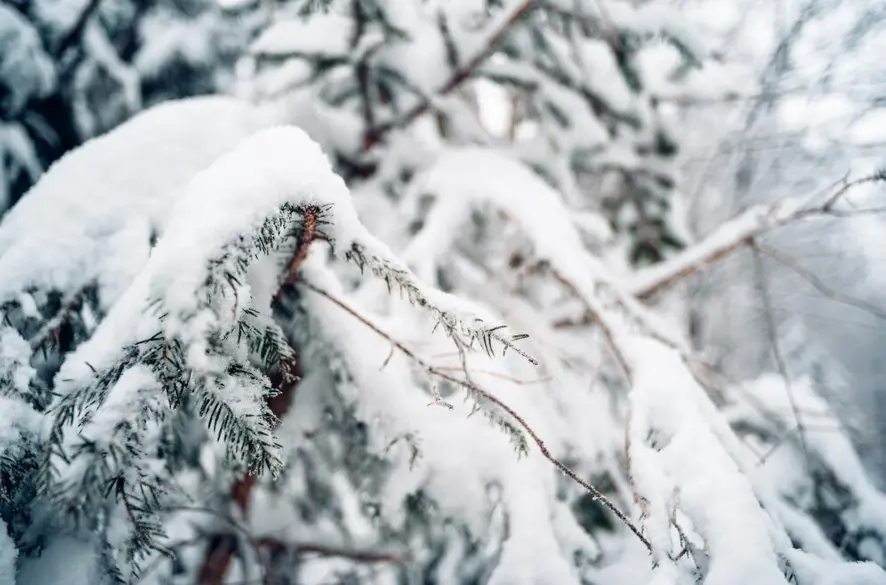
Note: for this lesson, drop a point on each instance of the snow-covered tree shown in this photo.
(73, 69)
(212, 371)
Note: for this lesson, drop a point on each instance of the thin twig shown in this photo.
(772, 332)
(818, 283)
(596, 494)
(500, 376)
(738, 233)
(594, 316)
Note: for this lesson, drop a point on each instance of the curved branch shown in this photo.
(595, 494)
(737, 234)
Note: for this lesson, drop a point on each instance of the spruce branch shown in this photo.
(220, 550)
(455, 326)
(74, 33)
(475, 390)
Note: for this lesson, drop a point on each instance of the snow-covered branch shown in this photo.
(736, 234)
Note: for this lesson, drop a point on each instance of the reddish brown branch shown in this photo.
(595, 494)
(308, 233)
(456, 79)
(221, 548)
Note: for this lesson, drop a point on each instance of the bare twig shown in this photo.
(736, 234)
(595, 494)
(818, 283)
(594, 316)
(498, 375)
(772, 333)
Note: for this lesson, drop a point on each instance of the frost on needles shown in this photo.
(194, 334)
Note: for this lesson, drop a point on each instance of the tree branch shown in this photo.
(221, 548)
(734, 235)
(595, 494)
(818, 283)
(362, 556)
(456, 79)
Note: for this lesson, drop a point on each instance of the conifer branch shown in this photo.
(458, 77)
(220, 551)
(476, 390)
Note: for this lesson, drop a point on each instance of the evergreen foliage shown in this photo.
(224, 376)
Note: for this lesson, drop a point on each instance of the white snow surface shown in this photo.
(88, 217)
(324, 34)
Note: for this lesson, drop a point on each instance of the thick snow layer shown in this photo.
(813, 571)
(91, 215)
(769, 396)
(462, 180)
(460, 456)
(687, 457)
(233, 197)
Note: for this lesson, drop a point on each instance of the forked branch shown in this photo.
(737, 234)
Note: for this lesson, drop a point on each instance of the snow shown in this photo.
(713, 493)
(100, 48)
(199, 176)
(658, 19)
(165, 38)
(26, 71)
(15, 356)
(769, 396)
(65, 232)
(16, 146)
(64, 559)
(725, 238)
(813, 571)
(324, 34)
(8, 554)
(463, 454)
(464, 179)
